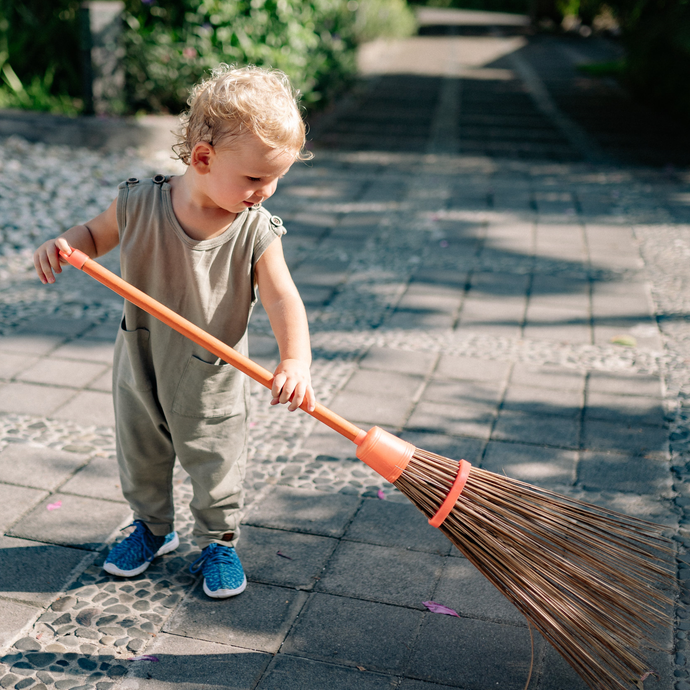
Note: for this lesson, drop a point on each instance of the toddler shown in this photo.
(201, 243)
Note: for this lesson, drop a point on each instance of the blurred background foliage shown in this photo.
(40, 67)
(170, 44)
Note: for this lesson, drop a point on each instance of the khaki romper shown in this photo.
(171, 397)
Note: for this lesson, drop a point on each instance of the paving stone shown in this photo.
(40, 468)
(27, 344)
(624, 409)
(409, 684)
(15, 615)
(629, 438)
(557, 673)
(283, 558)
(490, 655)
(304, 511)
(88, 407)
(259, 619)
(476, 393)
(354, 633)
(181, 660)
(103, 383)
(548, 430)
(53, 326)
(401, 361)
(533, 400)
(624, 384)
(463, 588)
(376, 397)
(28, 398)
(324, 441)
(399, 525)
(453, 447)
(471, 369)
(86, 350)
(499, 321)
(85, 523)
(99, 479)
(545, 467)
(35, 572)
(62, 372)
(424, 314)
(546, 323)
(16, 500)
(13, 364)
(612, 471)
(455, 419)
(499, 283)
(285, 671)
(378, 573)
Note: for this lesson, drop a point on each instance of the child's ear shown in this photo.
(201, 157)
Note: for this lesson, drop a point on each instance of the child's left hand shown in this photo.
(292, 383)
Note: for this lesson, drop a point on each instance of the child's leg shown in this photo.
(146, 458)
(214, 453)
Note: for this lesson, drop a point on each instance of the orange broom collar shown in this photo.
(453, 494)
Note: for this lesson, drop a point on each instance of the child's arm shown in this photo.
(95, 238)
(279, 296)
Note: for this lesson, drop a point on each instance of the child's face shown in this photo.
(235, 178)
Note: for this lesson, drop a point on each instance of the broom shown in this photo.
(589, 579)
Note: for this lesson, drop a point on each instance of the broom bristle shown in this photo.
(589, 579)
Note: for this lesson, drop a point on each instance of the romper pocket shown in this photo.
(209, 390)
(133, 367)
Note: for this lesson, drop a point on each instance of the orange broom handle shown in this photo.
(81, 261)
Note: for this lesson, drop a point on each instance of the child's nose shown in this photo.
(266, 190)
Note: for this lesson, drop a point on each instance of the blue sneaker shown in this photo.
(134, 554)
(223, 575)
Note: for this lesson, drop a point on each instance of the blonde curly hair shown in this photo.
(238, 101)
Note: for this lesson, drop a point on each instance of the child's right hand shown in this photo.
(47, 259)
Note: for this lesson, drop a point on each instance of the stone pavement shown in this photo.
(491, 271)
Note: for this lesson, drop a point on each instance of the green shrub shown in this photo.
(171, 44)
(515, 6)
(656, 35)
(40, 66)
(170, 47)
(382, 19)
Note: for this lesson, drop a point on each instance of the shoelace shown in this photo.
(139, 538)
(212, 554)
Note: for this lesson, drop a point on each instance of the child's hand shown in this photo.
(47, 259)
(292, 383)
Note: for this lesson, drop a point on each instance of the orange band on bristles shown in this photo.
(458, 485)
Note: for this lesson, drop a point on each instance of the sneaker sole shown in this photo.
(225, 593)
(166, 548)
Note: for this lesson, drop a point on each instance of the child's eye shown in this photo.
(254, 179)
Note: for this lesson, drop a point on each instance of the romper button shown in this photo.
(133, 180)
(159, 179)
(275, 220)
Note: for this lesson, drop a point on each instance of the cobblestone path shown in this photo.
(492, 249)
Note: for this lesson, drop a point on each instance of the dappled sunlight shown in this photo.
(441, 56)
